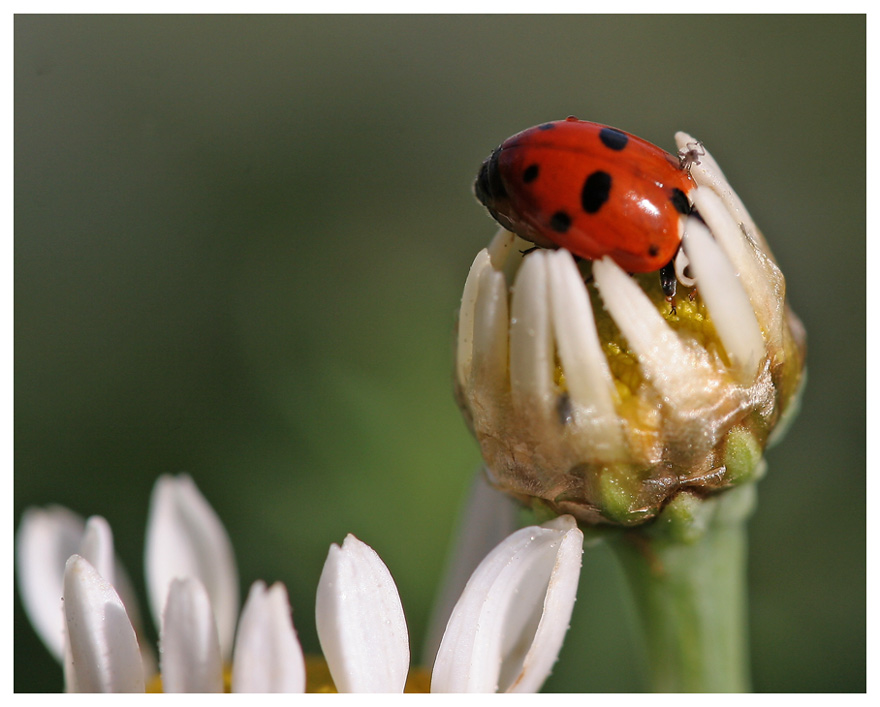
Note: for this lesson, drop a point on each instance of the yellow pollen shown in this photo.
(318, 677)
(154, 684)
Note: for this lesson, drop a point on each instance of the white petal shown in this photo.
(681, 373)
(465, 338)
(268, 657)
(360, 621)
(46, 538)
(506, 630)
(489, 516)
(587, 375)
(709, 174)
(531, 345)
(104, 654)
(185, 538)
(728, 304)
(559, 601)
(189, 647)
(501, 247)
(492, 259)
(97, 548)
(488, 374)
(761, 279)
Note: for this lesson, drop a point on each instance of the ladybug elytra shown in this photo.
(592, 189)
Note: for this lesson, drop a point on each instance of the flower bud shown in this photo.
(590, 392)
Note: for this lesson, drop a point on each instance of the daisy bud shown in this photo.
(592, 392)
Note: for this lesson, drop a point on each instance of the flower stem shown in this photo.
(687, 572)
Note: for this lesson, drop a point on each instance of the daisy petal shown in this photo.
(185, 538)
(531, 343)
(556, 613)
(46, 538)
(732, 313)
(360, 621)
(268, 657)
(189, 648)
(97, 548)
(507, 628)
(104, 654)
(489, 516)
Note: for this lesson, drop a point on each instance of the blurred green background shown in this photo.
(240, 243)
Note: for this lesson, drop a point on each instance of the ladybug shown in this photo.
(594, 190)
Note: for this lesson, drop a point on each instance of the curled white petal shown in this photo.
(189, 647)
(682, 374)
(104, 654)
(531, 346)
(465, 339)
(501, 247)
(761, 279)
(360, 621)
(682, 273)
(588, 377)
(97, 548)
(708, 174)
(45, 539)
(185, 538)
(507, 628)
(268, 657)
(728, 304)
(488, 372)
(489, 516)
(476, 332)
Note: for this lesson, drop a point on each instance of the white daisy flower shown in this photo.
(504, 634)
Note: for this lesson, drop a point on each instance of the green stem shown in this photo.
(687, 575)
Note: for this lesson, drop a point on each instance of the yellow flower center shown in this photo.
(318, 678)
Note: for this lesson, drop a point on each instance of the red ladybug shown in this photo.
(593, 190)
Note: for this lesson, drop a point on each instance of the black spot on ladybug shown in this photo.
(680, 201)
(653, 250)
(560, 222)
(613, 139)
(530, 174)
(595, 192)
(546, 126)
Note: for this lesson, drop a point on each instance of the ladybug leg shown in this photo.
(525, 252)
(668, 281)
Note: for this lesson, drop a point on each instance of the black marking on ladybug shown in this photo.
(680, 201)
(530, 174)
(613, 139)
(653, 250)
(595, 192)
(560, 222)
(546, 126)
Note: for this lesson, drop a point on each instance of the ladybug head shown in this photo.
(490, 192)
(488, 188)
